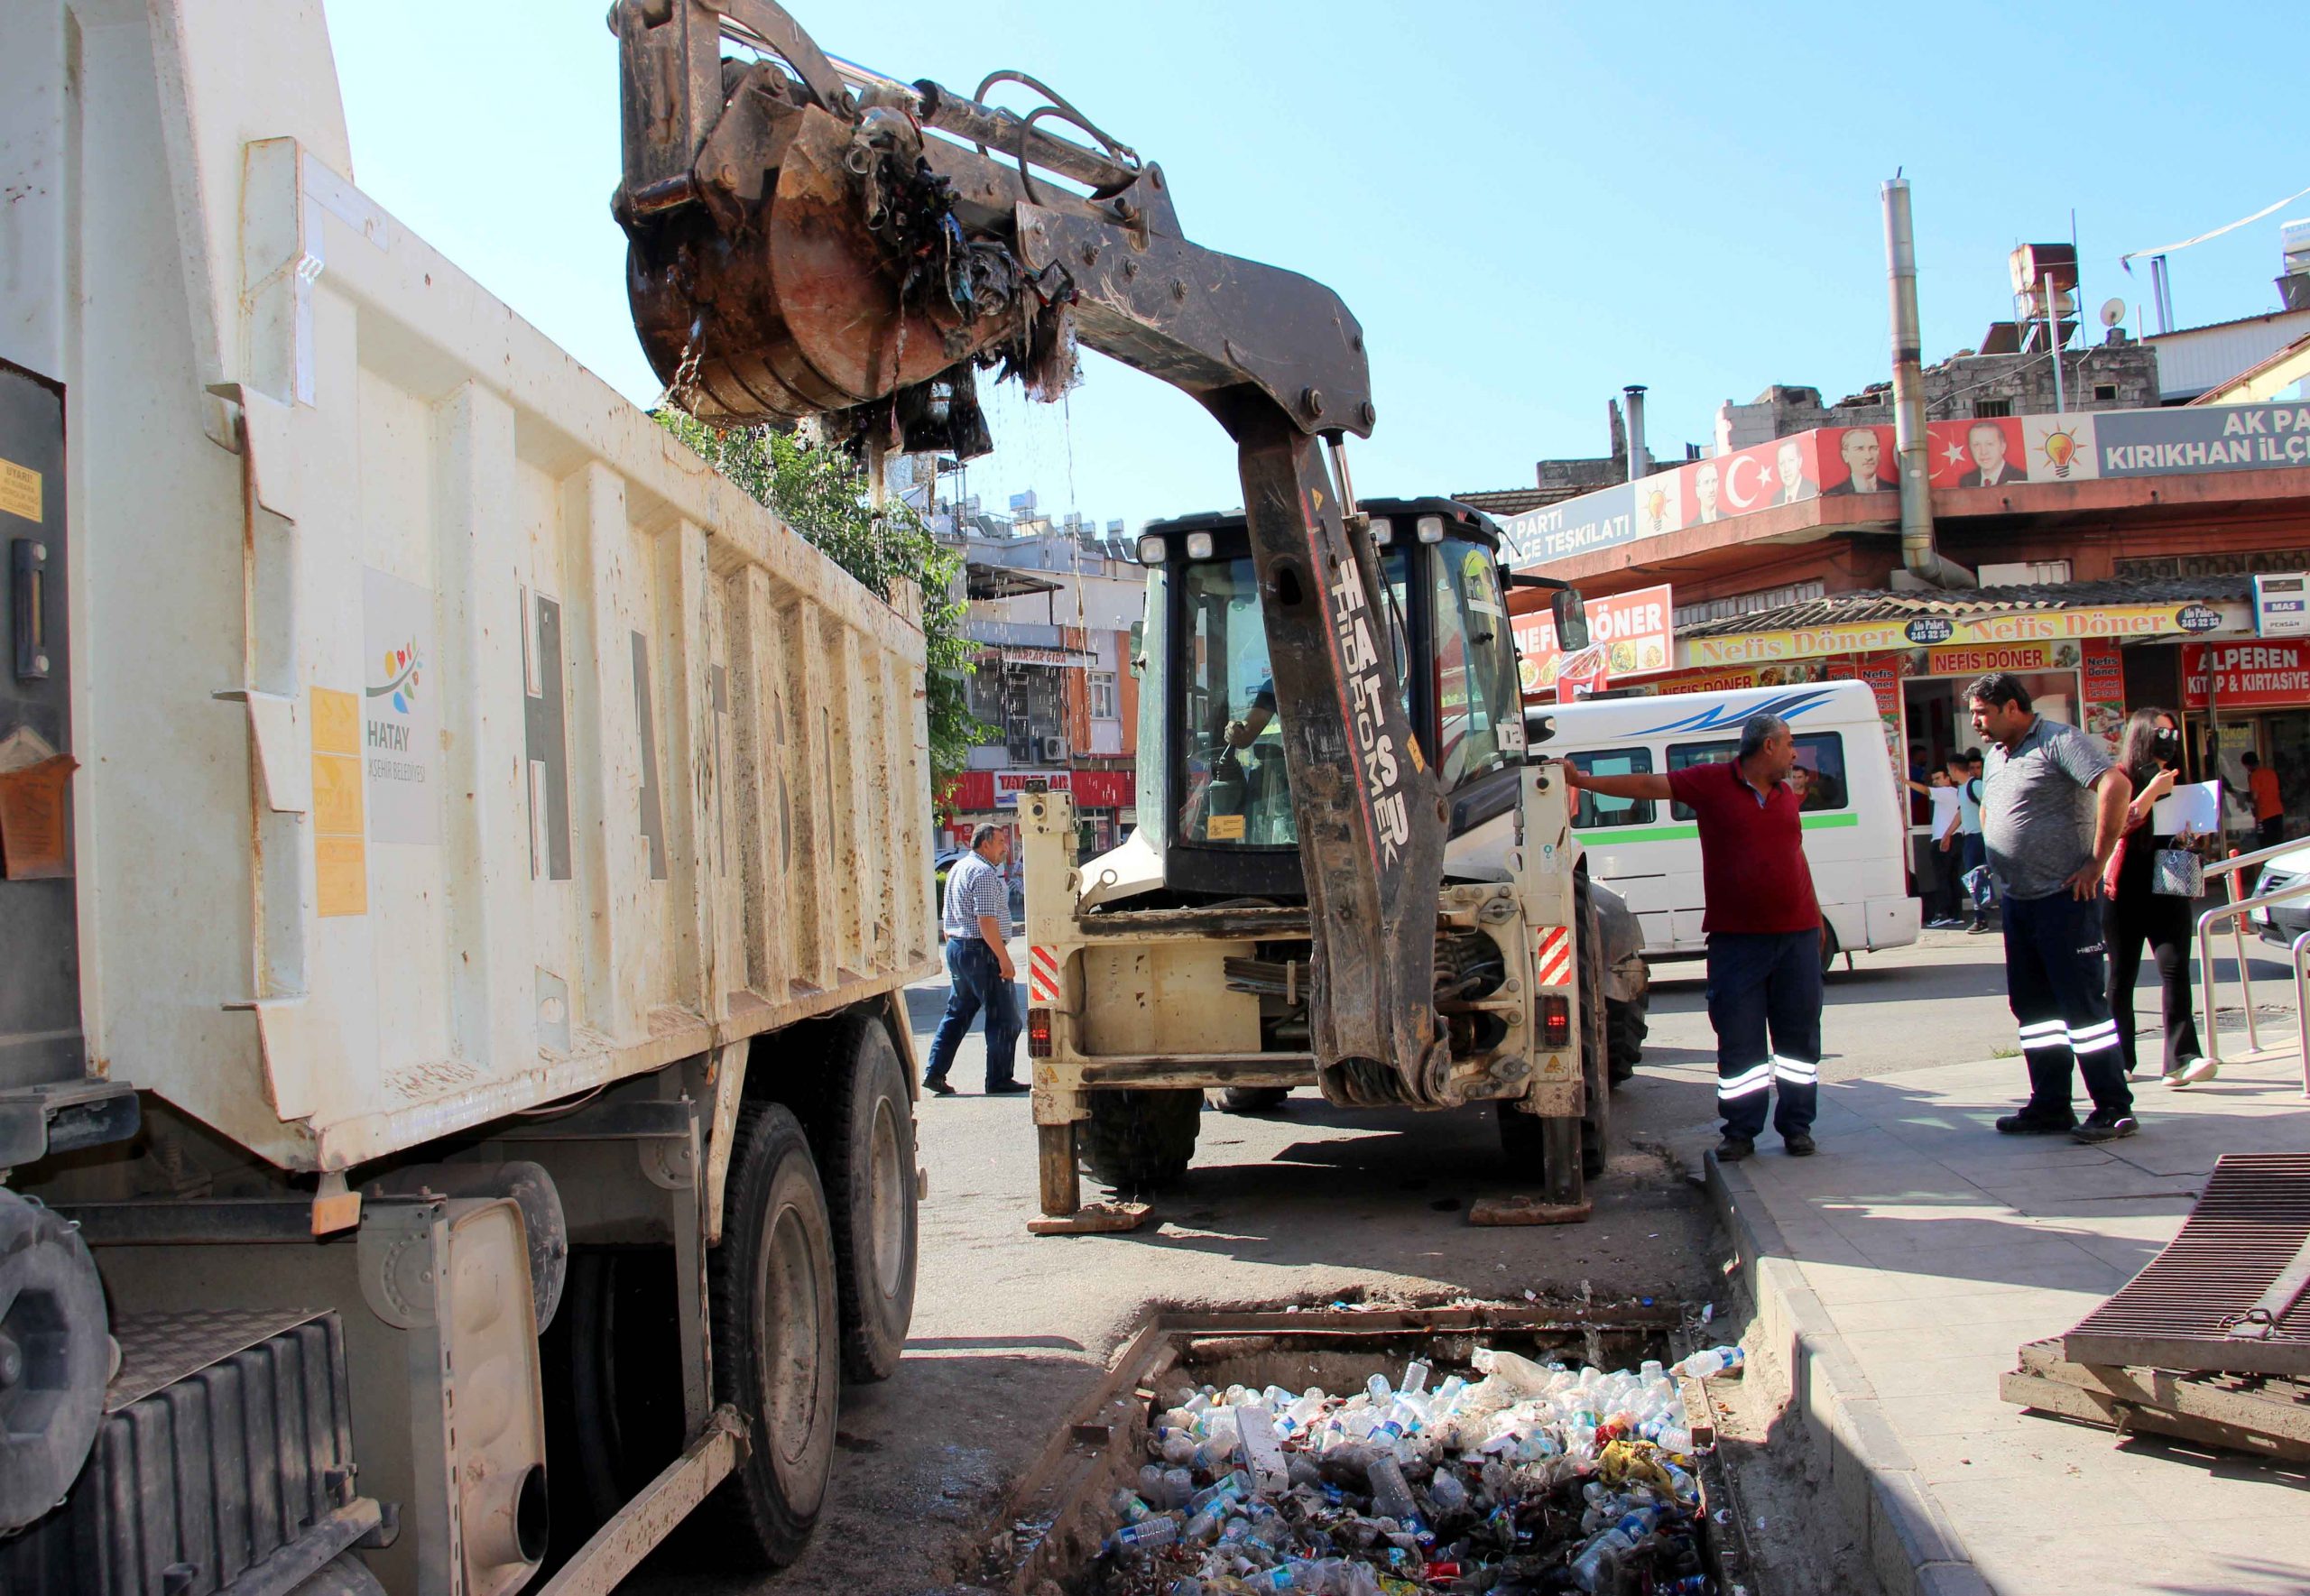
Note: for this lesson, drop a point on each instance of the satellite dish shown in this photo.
(2113, 312)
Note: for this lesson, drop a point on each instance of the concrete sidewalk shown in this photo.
(1898, 1271)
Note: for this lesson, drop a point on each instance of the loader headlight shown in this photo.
(1198, 545)
(1152, 549)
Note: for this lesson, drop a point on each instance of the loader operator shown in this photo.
(1764, 930)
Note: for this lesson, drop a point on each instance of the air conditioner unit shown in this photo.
(1054, 750)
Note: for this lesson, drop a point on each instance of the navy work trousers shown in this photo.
(1764, 999)
(2058, 986)
(978, 984)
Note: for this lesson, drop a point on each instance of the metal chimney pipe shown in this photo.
(1636, 457)
(1910, 446)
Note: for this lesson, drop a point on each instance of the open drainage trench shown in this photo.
(1532, 1448)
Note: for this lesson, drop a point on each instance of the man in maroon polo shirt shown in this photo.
(1763, 925)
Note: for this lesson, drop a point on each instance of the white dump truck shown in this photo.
(458, 859)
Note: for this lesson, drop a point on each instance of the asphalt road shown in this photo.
(1306, 1204)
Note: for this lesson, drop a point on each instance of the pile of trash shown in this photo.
(1532, 1479)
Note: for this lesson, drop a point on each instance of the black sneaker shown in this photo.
(1006, 1088)
(1978, 929)
(1734, 1149)
(1797, 1144)
(2027, 1123)
(936, 1086)
(2105, 1125)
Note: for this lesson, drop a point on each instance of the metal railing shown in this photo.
(2235, 911)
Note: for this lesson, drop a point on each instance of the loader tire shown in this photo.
(862, 1129)
(777, 1345)
(1596, 1038)
(1138, 1140)
(1626, 1026)
(1246, 1100)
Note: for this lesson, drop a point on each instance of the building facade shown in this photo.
(1052, 606)
(2116, 553)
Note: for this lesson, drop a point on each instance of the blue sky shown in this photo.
(1526, 206)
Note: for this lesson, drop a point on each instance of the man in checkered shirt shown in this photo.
(976, 927)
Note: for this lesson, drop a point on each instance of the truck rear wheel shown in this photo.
(776, 1344)
(1625, 1028)
(1141, 1140)
(862, 1131)
(1246, 1100)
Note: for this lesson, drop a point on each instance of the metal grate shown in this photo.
(2232, 1292)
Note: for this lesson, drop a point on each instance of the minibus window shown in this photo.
(1595, 809)
(1819, 778)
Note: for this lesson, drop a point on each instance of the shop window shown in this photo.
(1820, 757)
(1598, 811)
(1102, 686)
(1992, 407)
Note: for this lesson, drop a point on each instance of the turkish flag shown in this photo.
(1748, 481)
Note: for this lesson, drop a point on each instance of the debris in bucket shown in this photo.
(1533, 1478)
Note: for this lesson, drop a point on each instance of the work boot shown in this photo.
(1006, 1088)
(1734, 1149)
(1797, 1144)
(2030, 1123)
(936, 1086)
(2105, 1124)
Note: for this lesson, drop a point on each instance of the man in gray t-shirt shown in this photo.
(2052, 808)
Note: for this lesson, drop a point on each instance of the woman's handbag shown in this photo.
(2176, 872)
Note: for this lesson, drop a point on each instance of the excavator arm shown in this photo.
(806, 243)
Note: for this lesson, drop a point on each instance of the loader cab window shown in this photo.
(1234, 787)
(1475, 682)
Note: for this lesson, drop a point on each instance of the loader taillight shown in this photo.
(1038, 1033)
(1556, 1021)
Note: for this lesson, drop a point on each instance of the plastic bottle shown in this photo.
(1178, 1448)
(1267, 1580)
(1598, 1559)
(1379, 1388)
(1148, 1534)
(1128, 1507)
(1447, 1492)
(1415, 1377)
(1390, 1497)
(1221, 1494)
(1708, 1365)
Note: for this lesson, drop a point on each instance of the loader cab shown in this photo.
(1214, 785)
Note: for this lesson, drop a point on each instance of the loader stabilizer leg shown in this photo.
(1065, 1213)
(1371, 822)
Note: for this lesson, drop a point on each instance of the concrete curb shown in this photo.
(1913, 1548)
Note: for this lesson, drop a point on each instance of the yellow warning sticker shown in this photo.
(340, 854)
(341, 875)
(19, 490)
(337, 722)
(1225, 828)
(337, 795)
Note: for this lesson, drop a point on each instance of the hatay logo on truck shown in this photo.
(400, 735)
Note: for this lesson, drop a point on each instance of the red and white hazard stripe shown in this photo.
(1552, 955)
(1042, 975)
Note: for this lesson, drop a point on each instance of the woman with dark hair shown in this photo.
(2133, 911)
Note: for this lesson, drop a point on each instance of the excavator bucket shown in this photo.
(799, 247)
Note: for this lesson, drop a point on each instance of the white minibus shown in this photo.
(1856, 827)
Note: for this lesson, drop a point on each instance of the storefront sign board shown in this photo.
(2118, 621)
(2266, 675)
(1631, 634)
